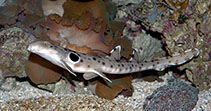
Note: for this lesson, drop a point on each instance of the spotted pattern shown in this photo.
(94, 58)
(103, 63)
(109, 65)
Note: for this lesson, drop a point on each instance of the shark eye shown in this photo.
(74, 57)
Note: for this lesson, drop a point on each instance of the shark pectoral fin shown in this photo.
(101, 75)
(89, 75)
(68, 68)
(115, 53)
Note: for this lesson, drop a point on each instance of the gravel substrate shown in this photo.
(27, 97)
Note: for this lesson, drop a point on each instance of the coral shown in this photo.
(9, 12)
(41, 71)
(60, 87)
(177, 8)
(25, 12)
(179, 37)
(82, 36)
(176, 37)
(176, 95)
(13, 51)
(77, 25)
(119, 85)
(53, 7)
(146, 42)
(82, 27)
(31, 12)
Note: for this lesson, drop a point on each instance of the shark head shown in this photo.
(57, 55)
(48, 51)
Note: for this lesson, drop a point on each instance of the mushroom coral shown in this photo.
(120, 85)
(87, 27)
(82, 24)
(48, 73)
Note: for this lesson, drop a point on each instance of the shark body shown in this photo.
(93, 66)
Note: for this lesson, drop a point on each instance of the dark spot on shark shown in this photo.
(177, 62)
(98, 61)
(83, 53)
(103, 63)
(120, 69)
(117, 60)
(94, 58)
(88, 65)
(65, 49)
(153, 65)
(111, 66)
(81, 60)
(122, 65)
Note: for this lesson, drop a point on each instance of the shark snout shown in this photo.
(33, 47)
(30, 48)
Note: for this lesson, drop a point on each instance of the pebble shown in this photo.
(27, 97)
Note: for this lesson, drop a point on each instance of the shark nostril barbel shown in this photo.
(93, 66)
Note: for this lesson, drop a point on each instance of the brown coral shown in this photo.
(41, 71)
(81, 33)
(84, 26)
(120, 85)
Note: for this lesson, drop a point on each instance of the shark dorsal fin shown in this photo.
(115, 53)
(134, 57)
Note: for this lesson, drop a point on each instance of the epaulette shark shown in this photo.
(93, 66)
